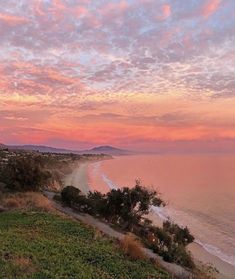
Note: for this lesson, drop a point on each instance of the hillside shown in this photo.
(43, 245)
(40, 148)
(109, 150)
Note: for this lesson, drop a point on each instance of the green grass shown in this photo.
(61, 248)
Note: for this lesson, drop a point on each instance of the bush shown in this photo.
(180, 235)
(178, 254)
(24, 173)
(72, 196)
(165, 242)
(69, 194)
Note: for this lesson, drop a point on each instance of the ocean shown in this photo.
(199, 191)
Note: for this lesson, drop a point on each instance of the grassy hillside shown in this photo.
(43, 245)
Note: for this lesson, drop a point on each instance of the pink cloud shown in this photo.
(166, 11)
(163, 12)
(210, 7)
(12, 19)
(80, 11)
(92, 21)
(59, 9)
(119, 7)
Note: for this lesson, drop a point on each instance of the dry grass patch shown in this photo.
(132, 247)
(205, 271)
(25, 264)
(98, 234)
(27, 201)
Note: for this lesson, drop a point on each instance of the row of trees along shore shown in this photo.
(127, 209)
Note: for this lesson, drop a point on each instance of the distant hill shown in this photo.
(107, 150)
(110, 150)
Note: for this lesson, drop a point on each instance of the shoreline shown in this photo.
(79, 176)
(201, 255)
(226, 270)
(79, 179)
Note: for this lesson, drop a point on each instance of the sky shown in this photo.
(136, 74)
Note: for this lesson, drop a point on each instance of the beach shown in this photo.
(226, 271)
(78, 178)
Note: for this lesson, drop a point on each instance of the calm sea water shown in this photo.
(199, 189)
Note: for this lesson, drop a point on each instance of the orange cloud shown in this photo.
(210, 7)
(166, 11)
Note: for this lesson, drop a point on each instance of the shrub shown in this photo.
(24, 173)
(69, 194)
(132, 247)
(163, 242)
(178, 254)
(180, 235)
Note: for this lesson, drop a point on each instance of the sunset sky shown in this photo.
(136, 74)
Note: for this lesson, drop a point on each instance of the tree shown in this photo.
(127, 206)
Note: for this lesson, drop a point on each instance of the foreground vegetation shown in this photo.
(127, 208)
(41, 245)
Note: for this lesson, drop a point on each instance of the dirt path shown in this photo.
(106, 229)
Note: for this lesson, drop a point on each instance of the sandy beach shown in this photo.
(226, 271)
(79, 179)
